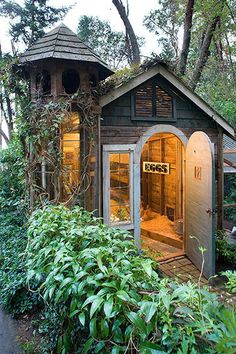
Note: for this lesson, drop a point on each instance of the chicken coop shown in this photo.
(157, 163)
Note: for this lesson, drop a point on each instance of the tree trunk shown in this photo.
(204, 52)
(188, 21)
(133, 43)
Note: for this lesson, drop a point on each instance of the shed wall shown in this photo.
(119, 127)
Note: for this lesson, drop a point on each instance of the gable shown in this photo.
(155, 101)
(176, 85)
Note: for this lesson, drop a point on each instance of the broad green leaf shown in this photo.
(128, 332)
(59, 345)
(183, 311)
(93, 327)
(147, 266)
(115, 350)
(150, 348)
(89, 300)
(118, 335)
(99, 347)
(108, 306)
(148, 308)
(66, 281)
(137, 321)
(121, 294)
(88, 345)
(82, 318)
(95, 305)
(51, 290)
(100, 264)
(58, 295)
(104, 328)
(166, 301)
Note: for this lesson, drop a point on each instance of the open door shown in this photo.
(200, 202)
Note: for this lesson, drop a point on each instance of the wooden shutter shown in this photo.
(143, 102)
(164, 104)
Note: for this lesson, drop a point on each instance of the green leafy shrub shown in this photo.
(107, 298)
(231, 283)
(230, 196)
(225, 251)
(14, 294)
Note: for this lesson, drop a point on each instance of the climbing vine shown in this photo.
(49, 120)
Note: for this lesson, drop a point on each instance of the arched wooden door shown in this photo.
(200, 202)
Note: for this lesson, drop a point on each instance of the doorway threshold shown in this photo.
(182, 269)
(171, 257)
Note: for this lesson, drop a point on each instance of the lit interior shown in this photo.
(119, 188)
(161, 209)
(71, 156)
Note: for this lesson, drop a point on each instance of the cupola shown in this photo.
(59, 64)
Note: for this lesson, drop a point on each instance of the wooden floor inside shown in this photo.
(159, 236)
(159, 250)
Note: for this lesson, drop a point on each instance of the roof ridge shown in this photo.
(57, 33)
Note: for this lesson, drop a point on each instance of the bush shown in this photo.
(14, 294)
(231, 283)
(230, 196)
(107, 298)
(225, 251)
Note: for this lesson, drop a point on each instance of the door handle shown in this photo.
(211, 212)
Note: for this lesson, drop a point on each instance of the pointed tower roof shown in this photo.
(62, 43)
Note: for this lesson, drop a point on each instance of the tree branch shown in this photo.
(188, 22)
(204, 52)
(135, 56)
(5, 137)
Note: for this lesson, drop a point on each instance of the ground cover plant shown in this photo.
(107, 298)
(231, 283)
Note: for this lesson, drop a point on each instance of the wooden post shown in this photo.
(220, 179)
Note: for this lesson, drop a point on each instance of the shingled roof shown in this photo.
(62, 43)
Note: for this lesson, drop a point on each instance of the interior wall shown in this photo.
(163, 193)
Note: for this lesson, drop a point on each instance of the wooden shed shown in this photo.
(159, 150)
(162, 165)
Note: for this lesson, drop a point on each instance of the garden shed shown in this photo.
(158, 156)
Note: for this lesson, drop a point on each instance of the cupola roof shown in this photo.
(62, 43)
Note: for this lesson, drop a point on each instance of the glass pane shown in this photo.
(119, 187)
(71, 156)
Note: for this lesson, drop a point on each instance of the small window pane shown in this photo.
(163, 103)
(119, 187)
(143, 102)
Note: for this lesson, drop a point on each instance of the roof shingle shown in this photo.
(62, 43)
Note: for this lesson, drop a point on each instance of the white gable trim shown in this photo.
(159, 69)
(122, 89)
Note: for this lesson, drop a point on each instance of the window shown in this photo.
(152, 102)
(118, 185)
(70, 146)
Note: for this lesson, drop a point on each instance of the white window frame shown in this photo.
(107, 149)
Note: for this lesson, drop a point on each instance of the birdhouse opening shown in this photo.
(70, 81)
(162, 195)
